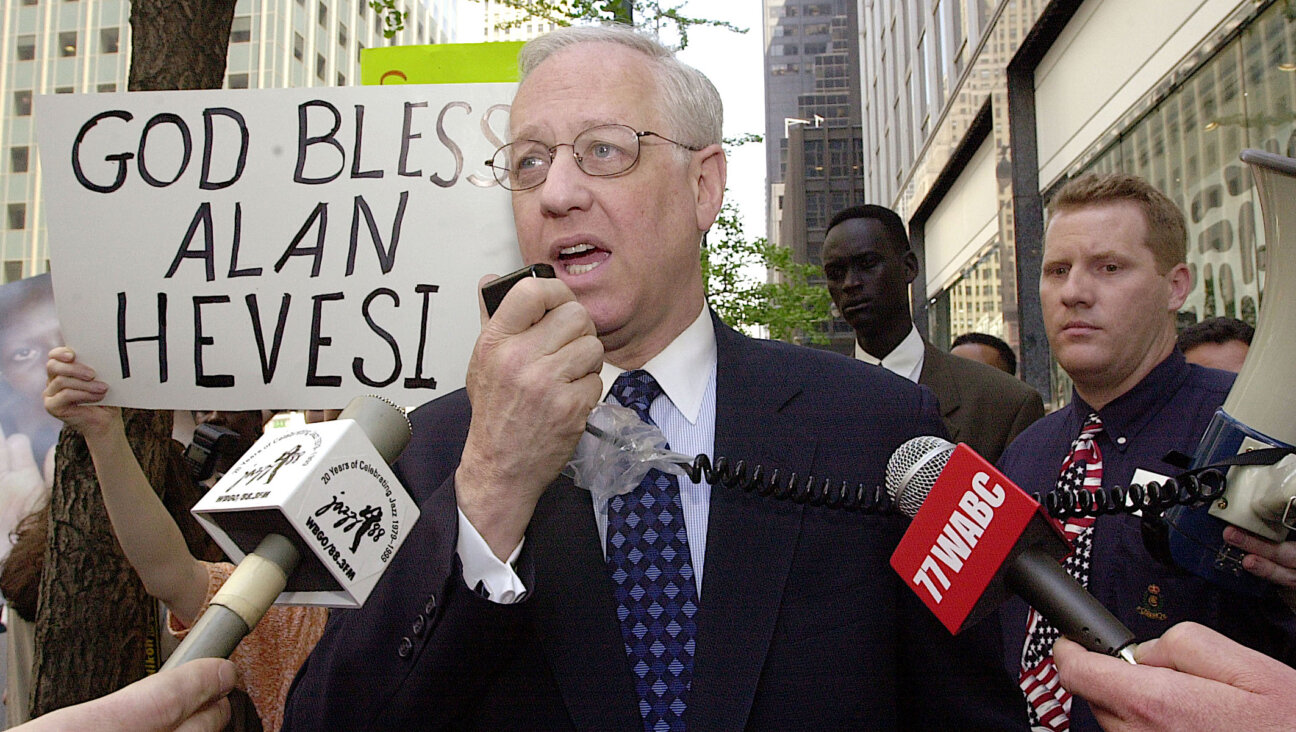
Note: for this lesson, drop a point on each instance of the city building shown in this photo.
(975, 111)
(503, 22)
(812, 128)
(83, 47)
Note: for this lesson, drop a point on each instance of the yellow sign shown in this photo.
(443, 63)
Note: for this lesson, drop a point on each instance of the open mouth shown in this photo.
(581, 258)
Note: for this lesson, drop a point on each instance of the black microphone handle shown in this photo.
(1038, 579)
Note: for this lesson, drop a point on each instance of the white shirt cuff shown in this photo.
(483, 571)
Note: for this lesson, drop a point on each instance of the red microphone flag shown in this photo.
(965, 532)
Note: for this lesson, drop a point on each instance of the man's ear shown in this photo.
(709, 173)
(911, 266)
(1180, 279)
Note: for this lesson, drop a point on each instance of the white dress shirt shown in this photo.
(904, 360)
(686, 371)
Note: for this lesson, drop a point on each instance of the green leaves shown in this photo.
(754, 284)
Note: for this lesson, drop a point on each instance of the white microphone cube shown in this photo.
(327, 489)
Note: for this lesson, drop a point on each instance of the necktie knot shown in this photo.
(636, 390)
(1092, 426)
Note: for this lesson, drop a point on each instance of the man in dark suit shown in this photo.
(869, 267)
(519, 603)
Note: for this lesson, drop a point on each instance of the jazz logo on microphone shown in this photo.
(966, 523)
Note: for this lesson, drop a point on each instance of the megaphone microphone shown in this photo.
(315, 515)
(1257, 414)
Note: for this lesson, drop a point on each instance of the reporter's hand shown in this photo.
(190, 698)
(1192, 678)
(72, 393)
(532, 380)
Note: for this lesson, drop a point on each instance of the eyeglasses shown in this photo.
(599, 151)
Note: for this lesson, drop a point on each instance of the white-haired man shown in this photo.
(517, 603)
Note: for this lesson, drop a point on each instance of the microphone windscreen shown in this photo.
(913, 469)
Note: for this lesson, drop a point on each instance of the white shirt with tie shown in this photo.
(686, 371)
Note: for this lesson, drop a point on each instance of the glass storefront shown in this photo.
(1188, 144)
(972, 303)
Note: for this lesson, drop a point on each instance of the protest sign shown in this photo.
(286, 248)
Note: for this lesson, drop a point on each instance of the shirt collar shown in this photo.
(905, 359)
(1130, 412)
(683, 368)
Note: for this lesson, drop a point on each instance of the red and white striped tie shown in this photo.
(1049, 703)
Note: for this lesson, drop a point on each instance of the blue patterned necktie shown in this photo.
(648, 558)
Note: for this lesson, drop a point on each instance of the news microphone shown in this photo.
(312, 516)
(976, 538)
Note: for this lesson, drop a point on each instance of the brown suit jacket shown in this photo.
(980, 405)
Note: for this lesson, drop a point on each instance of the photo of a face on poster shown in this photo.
(29, 328)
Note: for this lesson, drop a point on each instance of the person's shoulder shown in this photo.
(1040, 434)
(793, 359)
(1209, 381)
(452, 406)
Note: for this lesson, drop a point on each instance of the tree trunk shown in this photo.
(179, 44)
(93, 617)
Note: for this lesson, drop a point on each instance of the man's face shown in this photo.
(1108, 313)
(25, 344)
(627, 245)
(868, 275)
(1228, 355)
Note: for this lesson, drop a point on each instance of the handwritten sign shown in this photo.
(286, 248)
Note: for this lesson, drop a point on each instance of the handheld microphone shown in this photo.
(976, 538)
(312, 516)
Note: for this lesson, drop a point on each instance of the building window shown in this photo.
(29, 2)
(299, 46)
(22, 103)
(320, 65)
(360, 47)
(17, 216)
(323, 14)
(341, 79)
(62, 90)
(106, 88)
(13, 267)
(811, 49)
(786, 49)
(18, 159)
(241, 29)
(67, 41)
(342, 35)
(238, 81)
(26, 49)
(109, 40)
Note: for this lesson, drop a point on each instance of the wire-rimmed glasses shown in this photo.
(600, 151)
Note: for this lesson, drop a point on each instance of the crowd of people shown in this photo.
(518, 602)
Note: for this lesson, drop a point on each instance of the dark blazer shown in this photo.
(981, 405)
(802, 622)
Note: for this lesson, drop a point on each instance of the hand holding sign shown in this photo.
(288, 246)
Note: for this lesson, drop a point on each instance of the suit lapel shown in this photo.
(576, 614)
(938, 378)
(750, 539)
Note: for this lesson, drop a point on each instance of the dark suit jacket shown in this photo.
(981, 405)
(802, 622)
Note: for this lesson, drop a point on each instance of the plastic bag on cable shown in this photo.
(616, 461)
